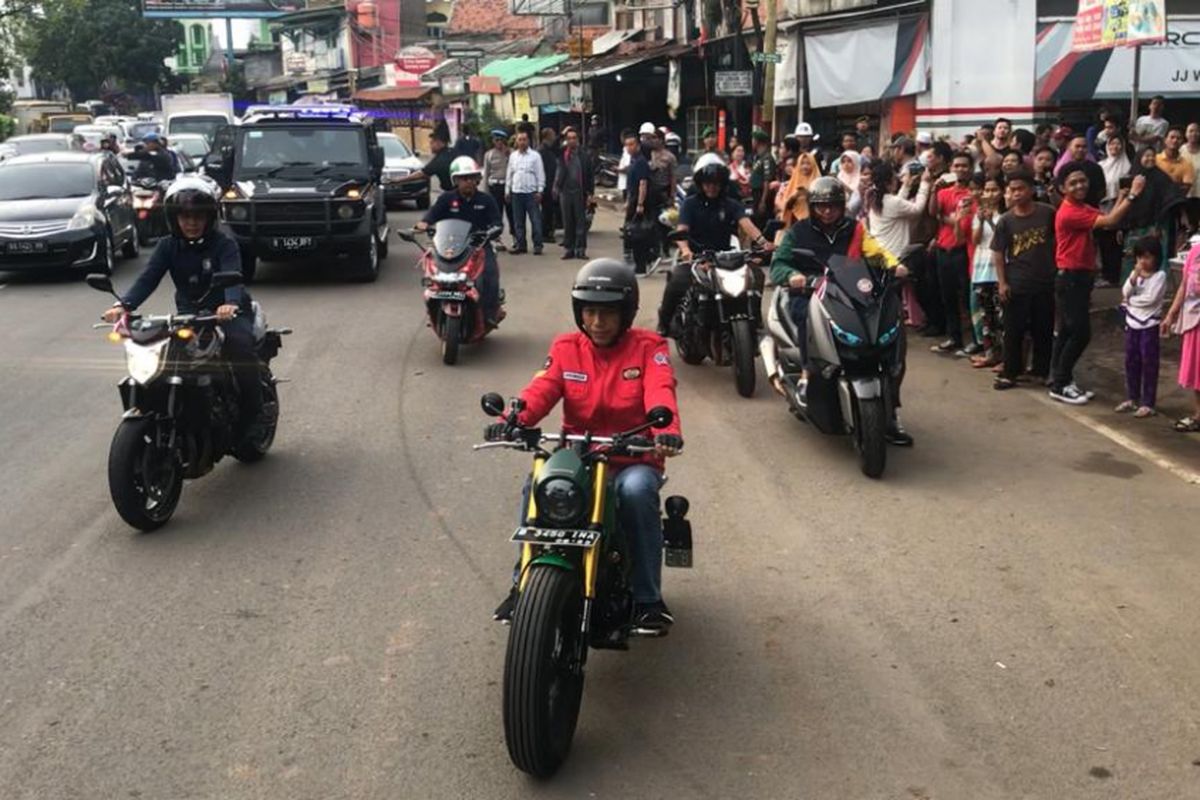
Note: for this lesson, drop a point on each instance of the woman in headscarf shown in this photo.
(849, 174)
(805, 172)
(1116, 165)
(1152, 213)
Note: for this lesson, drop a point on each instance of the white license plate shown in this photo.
(293, 243)
(556, 537)
(459, 296)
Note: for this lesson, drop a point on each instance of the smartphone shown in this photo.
(1126, 182)
(916, 168)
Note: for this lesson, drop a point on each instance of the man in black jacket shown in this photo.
(550, 156)
(573, 186)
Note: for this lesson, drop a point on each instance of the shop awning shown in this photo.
(517, 69)
(1170, 68)
(611, 40)
(870, 61)
(393, 94)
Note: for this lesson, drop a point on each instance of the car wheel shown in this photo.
(423, 201)
(105, 260)
(368, 268)
(133, 247)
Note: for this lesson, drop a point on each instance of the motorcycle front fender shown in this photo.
(553, 560)
(452, 309)
(867, 388)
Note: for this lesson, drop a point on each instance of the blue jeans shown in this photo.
(526, 205)
(638, 511)
(489, 283)
(798, 310)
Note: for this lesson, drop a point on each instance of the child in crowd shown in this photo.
(985, 294)
(1184, 318)
(1144, 294)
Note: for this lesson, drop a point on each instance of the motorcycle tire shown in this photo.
(872, 447)
(130, 457)
(250, 451)
(744, 376)
(543, 686)
(451, 339)
(687, 343)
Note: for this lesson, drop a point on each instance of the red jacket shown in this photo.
(605, 390)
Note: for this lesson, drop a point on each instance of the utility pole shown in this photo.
(768, 102)
(1137, 80)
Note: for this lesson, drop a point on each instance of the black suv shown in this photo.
(300, 181)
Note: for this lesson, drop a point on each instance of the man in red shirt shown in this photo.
(609, 375)
(953, 206)
(1075, 254)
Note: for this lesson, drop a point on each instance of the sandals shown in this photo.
(1125, 407)
(984, 362)
(1001, 383)
(1145, 411)
(1187, 425)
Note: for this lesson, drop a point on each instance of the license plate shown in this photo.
(21, 248)
(557, 538)
(459, 296)
(293, 243)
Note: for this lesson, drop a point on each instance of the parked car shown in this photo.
(400, 162)
(194, 145)
(45, 143)
(96, 134)
(65, 210)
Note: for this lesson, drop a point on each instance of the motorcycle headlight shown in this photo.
(560, 501)
(85, 218)
(238, 212)
(449, 277)
(844, 336)
(732, 283)
(889, 335)
(145, 362)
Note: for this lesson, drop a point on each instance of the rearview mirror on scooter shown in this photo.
(660, 417)
(492, 404)
(100, 282)
(494, 233)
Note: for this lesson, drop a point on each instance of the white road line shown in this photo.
(1149, 453)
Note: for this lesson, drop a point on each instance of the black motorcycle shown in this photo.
(181, 406)
(606, 170)
(720, 315)
(854, 340)
(150, 217)
(575, 584)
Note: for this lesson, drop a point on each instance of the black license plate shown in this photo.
(459, 296)
(557, 538)
(24, 248)
(293, 243)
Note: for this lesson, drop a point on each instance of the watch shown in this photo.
(1131, 197)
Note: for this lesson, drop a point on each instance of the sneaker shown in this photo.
(896, 434)
(518, 251)
(972, 349)
(1070, 394)
(652, 619)
(537, 251)
(948, 346)
(567, 256)
(504, 612)
(802, 391)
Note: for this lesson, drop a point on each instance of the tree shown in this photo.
(12, 14)
(93, 46)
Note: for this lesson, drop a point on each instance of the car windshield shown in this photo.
(272, 149)
(137, 130)
(393, 147)
(46, 181)
(27, 146)
(194, 147)
(205, 126)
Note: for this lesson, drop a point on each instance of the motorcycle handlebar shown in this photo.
(628, 445)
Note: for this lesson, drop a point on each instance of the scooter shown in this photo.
(453, 266)
(854, 357)
(148, 195)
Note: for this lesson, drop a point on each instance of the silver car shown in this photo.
(400, 162)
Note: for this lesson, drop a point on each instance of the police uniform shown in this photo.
(482, 212)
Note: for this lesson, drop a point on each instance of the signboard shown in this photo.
(464, 52)
(1170, 67)
(185, 9)
(295, 63)
(767, 58)
(734, 83)
(578, 49)
(454, 85)
(485, 84)
(417, 60)
(1101, 24)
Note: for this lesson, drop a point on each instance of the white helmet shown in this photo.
(464, 167)
(672, 138)
(707, 160)
(804, 129)
(647, 129)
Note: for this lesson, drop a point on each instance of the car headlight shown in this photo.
(560, 501)
(844, 336)
(345, 211)
(85, 218)
(238, 212)
(145, 362)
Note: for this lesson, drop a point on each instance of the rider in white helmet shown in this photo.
(467, 203)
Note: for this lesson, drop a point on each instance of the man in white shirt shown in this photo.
(1152, 128)
(1192, 150)
(525, 181)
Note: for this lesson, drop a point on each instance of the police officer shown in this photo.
(156, 162)
(467, 203)
(191, 254)
(710, 217)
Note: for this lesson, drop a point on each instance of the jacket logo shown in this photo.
(631, 374)
(580, 377)
(454, 205)
(661, 359)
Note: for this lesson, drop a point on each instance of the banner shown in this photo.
(1170, 67)
(183, 9)
(673, 88)
(1103, 24)
(872, 61)
(787, 71)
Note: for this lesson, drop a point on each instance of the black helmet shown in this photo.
(190, 194)
(606, 282)
(827, 191)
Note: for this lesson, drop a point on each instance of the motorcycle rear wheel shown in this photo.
(743, 357)
(868, 438)
(145, 482)
(543, 684)
(451, 338)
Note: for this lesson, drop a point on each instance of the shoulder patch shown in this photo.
(661, 359)
(549, 361)
(632, 374)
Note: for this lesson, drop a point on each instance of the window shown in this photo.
(697, 120)
(591, 14)
(197, 36)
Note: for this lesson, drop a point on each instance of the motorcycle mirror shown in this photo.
(223, 280)
(115, 191)
(494, 233)
(406, 236)
(492, 404)
(100, 282)
(660, 417)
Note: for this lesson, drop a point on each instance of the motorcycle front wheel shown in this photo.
(872, 447)
(451, 338)
(743, 357)
(145, 480)
(543, 681)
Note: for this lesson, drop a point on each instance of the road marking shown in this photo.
(1151, 454)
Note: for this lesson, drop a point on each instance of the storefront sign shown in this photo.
(734, 83)
(1102, 24)
(787, 74)
(452, 86)
(417, 60)
(1170, 67)
(484, 84)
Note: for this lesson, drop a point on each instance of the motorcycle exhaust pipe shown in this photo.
(770, 356)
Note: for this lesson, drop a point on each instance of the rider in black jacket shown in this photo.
(156, 162)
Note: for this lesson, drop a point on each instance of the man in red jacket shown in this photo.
(609, 375)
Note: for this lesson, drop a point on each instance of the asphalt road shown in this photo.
(1010, 613)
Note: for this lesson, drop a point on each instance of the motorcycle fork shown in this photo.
(530, 517)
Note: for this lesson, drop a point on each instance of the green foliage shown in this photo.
(91, 46)
(6, 101)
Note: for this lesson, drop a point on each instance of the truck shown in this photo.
(197, 113)
(31, 114)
